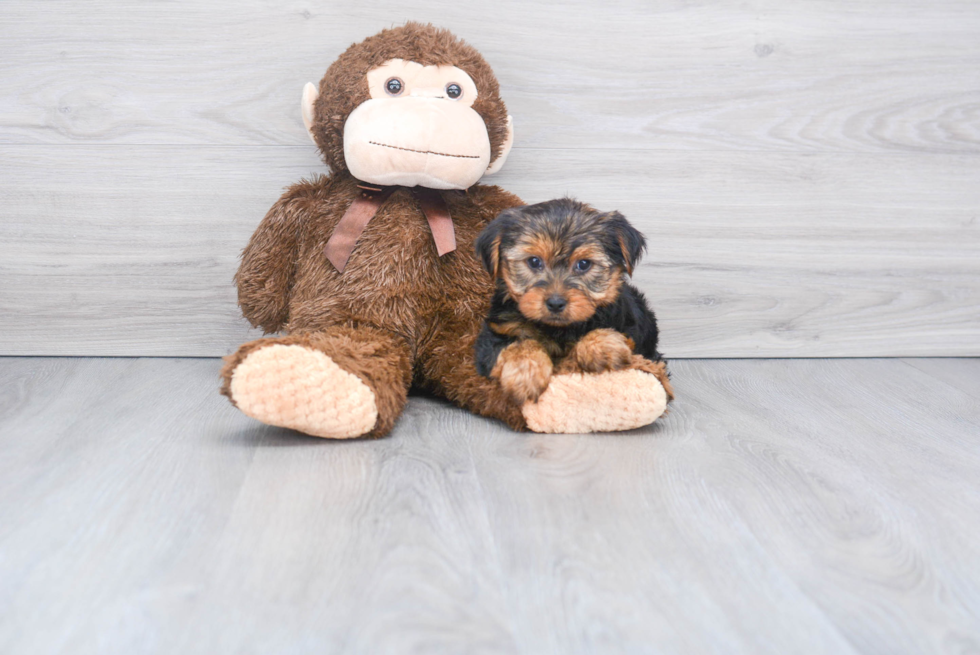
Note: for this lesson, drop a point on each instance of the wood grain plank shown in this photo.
(816, 478)
(860, 444)
(783, 506)
(131, 250)
(104, 493)
(790, 76)
(961, 373)
(140, 519)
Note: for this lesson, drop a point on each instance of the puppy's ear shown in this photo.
(488, 243)
(629, 245)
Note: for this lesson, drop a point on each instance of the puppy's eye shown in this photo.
(394, 86)
(453, 90)
(535, 263)
(583, 265)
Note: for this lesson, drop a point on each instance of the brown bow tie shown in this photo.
(366, 205)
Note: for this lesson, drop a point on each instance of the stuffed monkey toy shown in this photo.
(369, 273)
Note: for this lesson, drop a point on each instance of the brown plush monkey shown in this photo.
(370, 272)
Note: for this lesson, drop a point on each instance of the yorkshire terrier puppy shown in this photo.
(561, 303)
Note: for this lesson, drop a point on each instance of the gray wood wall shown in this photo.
(808, 173)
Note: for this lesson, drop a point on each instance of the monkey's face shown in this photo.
(417, 129)
(560, 260)
(410, 106)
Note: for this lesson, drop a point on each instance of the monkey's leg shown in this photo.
(575, 401)
(602, 402)
(446, 363)
(658, 369)
(339, 383)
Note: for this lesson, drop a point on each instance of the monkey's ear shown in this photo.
(629, 245)
(310, 94)
(488, 243)
(504, 149)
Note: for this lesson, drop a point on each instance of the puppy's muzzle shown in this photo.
(556, 304)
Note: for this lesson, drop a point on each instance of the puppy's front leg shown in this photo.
(598, 351)
(524, 370)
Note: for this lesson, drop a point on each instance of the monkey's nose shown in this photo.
(555, 304)
(437, 92)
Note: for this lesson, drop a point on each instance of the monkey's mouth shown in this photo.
(424, 152)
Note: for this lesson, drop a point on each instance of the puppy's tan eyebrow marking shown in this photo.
(588, 252)
(539, 245)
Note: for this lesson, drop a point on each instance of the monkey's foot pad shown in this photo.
(607, 402)
(303, 389)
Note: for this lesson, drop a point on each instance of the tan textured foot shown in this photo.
(303, 389)
(606, 402)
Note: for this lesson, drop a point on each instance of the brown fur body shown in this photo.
(398, 314)
(420, 311)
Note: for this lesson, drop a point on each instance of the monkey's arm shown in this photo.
(268, 264)
(482, 204)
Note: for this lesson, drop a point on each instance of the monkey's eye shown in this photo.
(453, 90)
(394, 86)
(535, 263)
(582, 265)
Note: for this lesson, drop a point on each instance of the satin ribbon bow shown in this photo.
(341, 243)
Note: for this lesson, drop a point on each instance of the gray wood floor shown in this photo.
(818, 506)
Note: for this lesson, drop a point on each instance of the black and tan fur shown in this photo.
(559, 268)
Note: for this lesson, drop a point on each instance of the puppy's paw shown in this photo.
(602, 350)
(524, 370)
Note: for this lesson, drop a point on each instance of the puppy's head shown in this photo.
(560, 259)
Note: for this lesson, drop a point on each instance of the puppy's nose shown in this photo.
(555, 304)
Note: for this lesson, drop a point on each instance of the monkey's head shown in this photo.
(410, 106)
(560, 260)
